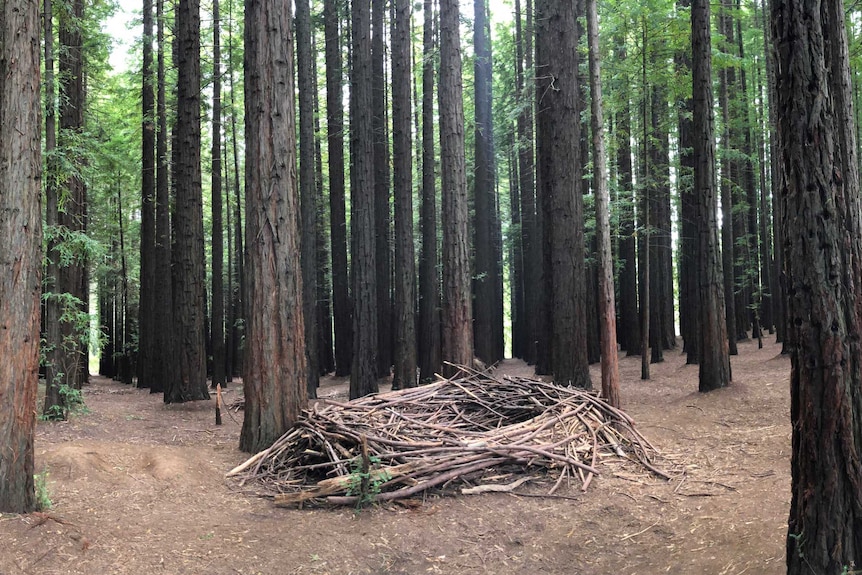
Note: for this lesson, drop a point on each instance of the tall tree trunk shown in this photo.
(486, 331)
(562, 203)
(629, 320)
(217, 330)
(326, 359)
(530, 240)
(457, 307)
(72, 214)
(429, 277)
(645, 242)
(714, 370)
(163, 315)
(689, 290)
(20, 250)
(779, 300)
(341, 305)
(307, 190)
(274, 376)
(53, 406)
(238, 297)
(607, 307)
(147, 352)
(405, 268)
(382, 190)
(726, 178)
(188, 382)
(363, 375)
(820, 200)
(751, 273)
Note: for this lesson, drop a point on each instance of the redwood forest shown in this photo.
(413, 286)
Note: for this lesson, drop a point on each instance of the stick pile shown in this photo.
(397, 444)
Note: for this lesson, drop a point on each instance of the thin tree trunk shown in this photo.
(341, 304)
(217, 330)
(53, 406)
(163, 316)
(405, 270)
(382, 190)
(607, 306)
(644, 243)
(486, 331)
(147, 352)
(726, 179)
(429, 277)
(307, 190)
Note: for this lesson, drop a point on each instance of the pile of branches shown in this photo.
(398, 444)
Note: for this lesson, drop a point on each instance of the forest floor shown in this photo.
(138, 487)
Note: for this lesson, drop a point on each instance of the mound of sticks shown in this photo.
(453, 432)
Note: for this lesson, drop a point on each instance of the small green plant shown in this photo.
(72, 403)
(43, 496)
(366, 478)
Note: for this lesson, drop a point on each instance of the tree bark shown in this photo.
(382, 190)
(20, 249)
(147, 352)
(188, 382)
(629, 320)
(559, 170)
(487, 334)
(274, 376)
(307, 190)
(821, 217)
(457, 305)
(218, 324)
(726, 178)
(689, 296)
(714, 370)
(341, 304)
(607, 306)
(363, 375)
(163, 289)
(429, 277)
(402, 167)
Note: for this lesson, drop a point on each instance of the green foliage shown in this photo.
(43, 495)
(366, 479)
(76, 337)
(72, 404)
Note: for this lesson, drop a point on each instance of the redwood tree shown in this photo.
(713, 344)
(363, 375)
(404, 350)
(823, 245)
(274, 376)
(307, 188)
(429, 276)
(341, 306)
(188, 381)
(20, 249)
(457, 306)
(557, 136)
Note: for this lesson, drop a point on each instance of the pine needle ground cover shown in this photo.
(470, 431)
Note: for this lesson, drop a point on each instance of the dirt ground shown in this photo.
(138, 487)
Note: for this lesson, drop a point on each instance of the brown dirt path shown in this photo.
(138, 488)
